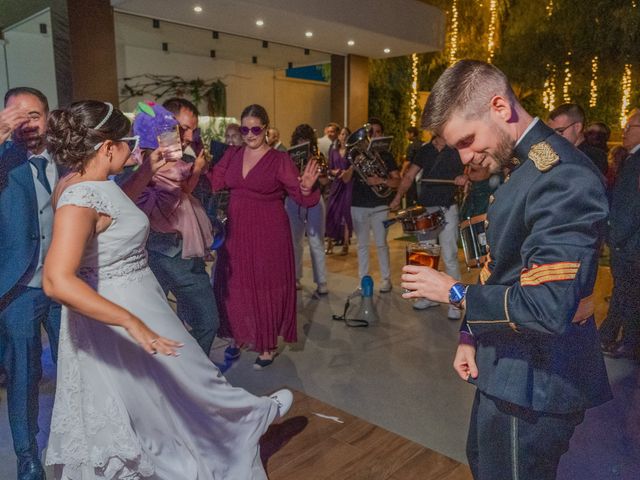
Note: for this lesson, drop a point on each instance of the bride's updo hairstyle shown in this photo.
(73, 132)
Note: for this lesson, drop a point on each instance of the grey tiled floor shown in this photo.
(398, 375)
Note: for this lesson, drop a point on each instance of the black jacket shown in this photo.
(544, 231)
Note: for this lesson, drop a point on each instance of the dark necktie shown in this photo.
(41, 166)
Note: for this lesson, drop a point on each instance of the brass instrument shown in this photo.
(367, 163)
(323, 164)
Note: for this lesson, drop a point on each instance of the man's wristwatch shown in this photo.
(457, 293)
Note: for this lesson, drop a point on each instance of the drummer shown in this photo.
(438, 162)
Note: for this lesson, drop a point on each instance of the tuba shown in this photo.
(367, 163)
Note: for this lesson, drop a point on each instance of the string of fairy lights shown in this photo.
(550, 93)
(491, 37)
(626, 93)
(566, 85)
(413, 103)
(549, 90)
(593, 92)
(453, 33)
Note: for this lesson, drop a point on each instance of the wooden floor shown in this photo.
(306, 446)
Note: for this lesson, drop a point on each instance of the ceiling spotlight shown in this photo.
(197, 9)
(351, 43)
(308, 34)
(387, 50)
(259, 23)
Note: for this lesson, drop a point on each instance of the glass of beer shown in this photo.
(423, 254)
(169, 142)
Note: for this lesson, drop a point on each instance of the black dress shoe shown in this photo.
(622, 350)
(30, 468)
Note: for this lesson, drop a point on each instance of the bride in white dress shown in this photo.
(136, 397)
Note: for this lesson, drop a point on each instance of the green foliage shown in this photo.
(389, 95)
(609, 29)
(158, 86)
(528, 40)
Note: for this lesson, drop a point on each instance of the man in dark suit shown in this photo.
(568, 120)
(624, 240)
(27, 177)
(528, 340)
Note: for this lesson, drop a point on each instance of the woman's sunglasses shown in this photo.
(132, 142)
(255, 130)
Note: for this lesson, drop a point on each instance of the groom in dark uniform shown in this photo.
(528, 340)
(27, 178)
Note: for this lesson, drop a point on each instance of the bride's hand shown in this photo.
(151, 341)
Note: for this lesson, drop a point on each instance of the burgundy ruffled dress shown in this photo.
(254, 279)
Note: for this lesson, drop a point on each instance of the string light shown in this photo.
(413, 103)
(453, 36)
(549, 8)
(491, 42)
(593, 98)
(549, 90)
(626, 93)
(566, 97)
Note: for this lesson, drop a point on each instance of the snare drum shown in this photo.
(408, 217)
(417, 220)
(429, 221)
(474, 241)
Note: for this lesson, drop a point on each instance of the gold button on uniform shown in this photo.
(486, 224)
(506, 179)
(491, 199)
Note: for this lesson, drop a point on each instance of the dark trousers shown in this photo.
(412, 195)
(508, 442)
(624, 306)
(189, 282)
(22, 313)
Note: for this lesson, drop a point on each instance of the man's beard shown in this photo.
(504, 150)
(30, 142)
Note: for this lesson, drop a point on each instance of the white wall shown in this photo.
(29, 57)
(4, 86)
(288, 101)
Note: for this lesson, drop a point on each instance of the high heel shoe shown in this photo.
(329, 249)
(345, 249)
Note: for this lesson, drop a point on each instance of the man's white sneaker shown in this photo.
(284, 400)
(423, 303)
(385, 286)
(454, 313)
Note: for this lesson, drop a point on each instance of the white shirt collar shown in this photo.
(634, 149)
(524, 134)
(44, 154)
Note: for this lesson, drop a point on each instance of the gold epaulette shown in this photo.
(543, 156)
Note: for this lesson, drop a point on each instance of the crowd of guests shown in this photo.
(272, 207)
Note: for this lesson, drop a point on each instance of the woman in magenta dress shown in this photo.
(339, 225)
(254, 276)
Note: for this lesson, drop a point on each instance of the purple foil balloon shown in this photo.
(148, 127)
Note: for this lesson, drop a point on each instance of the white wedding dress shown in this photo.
(121, 413)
